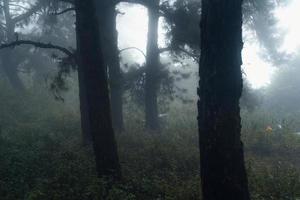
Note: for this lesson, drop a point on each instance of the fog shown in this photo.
(137, 99)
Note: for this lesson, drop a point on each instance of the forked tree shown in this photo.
(94, 87)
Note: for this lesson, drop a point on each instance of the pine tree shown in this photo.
(223, 173)
(94, 87)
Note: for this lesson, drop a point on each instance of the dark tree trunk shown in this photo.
(107, 17)
(84, 114)
(9, 65)
(94, 86)
(152, 68)
(223, 171)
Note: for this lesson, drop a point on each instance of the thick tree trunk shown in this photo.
(84, 114)
(223, 172)
(94, 86)
(152, 68)
(107, 16)
(8, 64)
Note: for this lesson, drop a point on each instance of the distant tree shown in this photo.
(283, 93)
(251, 98)
(153, 64)
(8, 34)
(223, 174)
(152, 67)
(259, 16)
(95, 88)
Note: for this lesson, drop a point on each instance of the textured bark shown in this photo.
(223, 173)
(94, 86)
(107, 16)
(84, 114)
(152, 68)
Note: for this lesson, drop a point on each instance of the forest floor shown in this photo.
(41, 156)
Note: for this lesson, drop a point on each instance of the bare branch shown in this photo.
(38, 45)
(144, 3)
(27, 14)
(129, 48)
(162, 50)
(190, 54)
(141, 2)
(64, 11)
(19, 6)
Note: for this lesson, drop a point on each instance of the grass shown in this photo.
(41, 157)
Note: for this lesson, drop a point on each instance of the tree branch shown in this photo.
(27, 14)
(192, 55)
(64, 11)
(141, 2)
(38, 45)
(129, 48)
(20, 6)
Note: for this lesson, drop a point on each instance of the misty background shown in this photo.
(41, 152)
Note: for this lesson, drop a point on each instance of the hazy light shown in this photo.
(256, 70)
(132, 25)
(289, 22)
(132, 28)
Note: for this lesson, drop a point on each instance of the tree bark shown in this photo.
(94, 86)
(152, 68)
(223, 173)
(107, 17)
(84, 114)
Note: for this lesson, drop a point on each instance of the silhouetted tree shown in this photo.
(9, 63)
(107, 16)
(152, 67)
(95, 89)
(223, 174)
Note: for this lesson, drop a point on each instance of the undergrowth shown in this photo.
(42, 157)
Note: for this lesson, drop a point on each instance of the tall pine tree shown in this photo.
(94, 87)
(223, 173)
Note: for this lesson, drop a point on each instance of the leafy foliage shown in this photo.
(182, 19)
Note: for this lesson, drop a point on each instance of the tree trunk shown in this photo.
(107, 17)
(223, 171)
(8, 64)
(94, 86)
(152, 68)
(84, 114)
